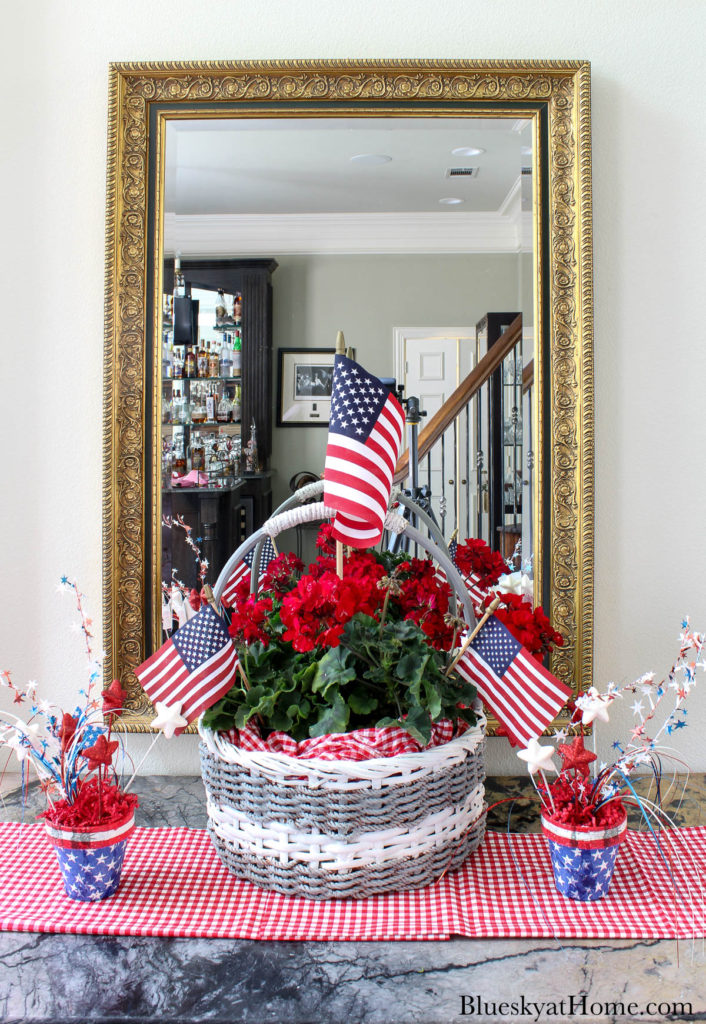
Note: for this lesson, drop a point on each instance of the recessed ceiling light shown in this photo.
(467, 151)
(370, 159)
(450, 201)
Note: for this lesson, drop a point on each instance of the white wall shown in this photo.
(649, 208)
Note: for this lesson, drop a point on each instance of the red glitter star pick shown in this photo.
(575, 756)
(101, 752)
(67, 730)
(113, 698)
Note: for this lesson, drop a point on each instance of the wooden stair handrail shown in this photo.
(461, 396)
(528, 376)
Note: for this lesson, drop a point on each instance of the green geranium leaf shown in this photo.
(333, 670)
(362, 702)
(303, 678)
(333, 719)
(432, 699)
(418, 724)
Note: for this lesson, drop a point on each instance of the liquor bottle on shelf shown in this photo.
(167, 309)
(198, 453)
(236, 410)
(221, 308)
(214, 465)
(237, 352)
(252, 464)
(179, 283)
(237, 307)
(179, 455)
(224, 409)
(202, 361)
(210, 407)
(167, 409)
(167, 365)
(178, 363)
(198, 408)
(190, 362)
(175, 406)
(226, 358)
(214, 361)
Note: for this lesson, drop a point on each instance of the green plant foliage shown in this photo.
(377, 675)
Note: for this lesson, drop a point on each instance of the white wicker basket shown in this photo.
(326, 829)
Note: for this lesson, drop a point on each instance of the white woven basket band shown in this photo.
(278, 838)
(373, 773)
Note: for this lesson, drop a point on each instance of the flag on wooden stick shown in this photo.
(366, 429)
(522, 694)
(244, 568)
(194, 668)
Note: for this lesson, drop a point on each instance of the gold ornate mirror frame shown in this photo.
(555, 96)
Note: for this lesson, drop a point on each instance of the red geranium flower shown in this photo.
(474, 558)
(315, 612)
(528, 625)
(424, 599)
(249, 620)
(281, 573)
(325, 540)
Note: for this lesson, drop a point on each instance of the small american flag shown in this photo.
(244, 568)
(196, 666)
(476, 592)
(366, 429)
(523, 695)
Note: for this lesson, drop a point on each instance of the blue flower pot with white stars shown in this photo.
(91, 862)
(583, 857)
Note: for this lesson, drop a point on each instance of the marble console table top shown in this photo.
(131, 979)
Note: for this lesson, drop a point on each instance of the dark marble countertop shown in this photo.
(131, 979)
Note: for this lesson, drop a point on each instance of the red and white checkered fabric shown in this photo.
(359, 745)
(174, 885)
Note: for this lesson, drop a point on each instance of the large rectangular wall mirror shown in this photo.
(431, 210)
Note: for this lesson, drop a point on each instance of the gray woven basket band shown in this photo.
(337, 812)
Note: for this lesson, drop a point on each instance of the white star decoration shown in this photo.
(169, 718)
(538, 758)
(594, 709)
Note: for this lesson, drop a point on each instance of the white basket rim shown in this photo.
(374, 766)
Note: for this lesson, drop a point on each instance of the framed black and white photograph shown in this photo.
(305, 382)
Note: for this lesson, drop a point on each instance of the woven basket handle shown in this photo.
(311, 513)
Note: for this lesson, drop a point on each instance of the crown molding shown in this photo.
(352, 233)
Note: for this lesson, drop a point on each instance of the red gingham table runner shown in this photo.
(174, 885)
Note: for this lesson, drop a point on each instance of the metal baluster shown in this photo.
(429, 479)
(443, 484)
(468, 472)
(456, 465)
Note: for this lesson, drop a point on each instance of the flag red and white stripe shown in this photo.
(195, 667)
(366, 429)
(476, 592)
(244, 569)
(524, 696)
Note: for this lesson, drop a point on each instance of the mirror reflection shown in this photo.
(415, 237)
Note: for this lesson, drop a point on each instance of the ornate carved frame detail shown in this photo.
(555, 95)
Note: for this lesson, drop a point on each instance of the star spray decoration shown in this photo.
(180, 602)
(72, 753)
(576, 798)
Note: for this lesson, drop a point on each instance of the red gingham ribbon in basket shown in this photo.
(359, 745)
